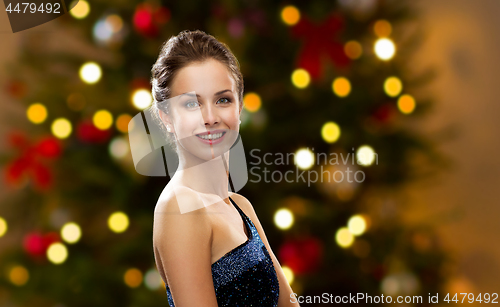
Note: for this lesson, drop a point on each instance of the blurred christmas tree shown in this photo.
(321, 77)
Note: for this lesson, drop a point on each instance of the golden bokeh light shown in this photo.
(357, 225)
(141, 99)
(304, 158)
(353, 50)
(330, 132)
(18, 275)
(283, 218)
(37, 113)
(133, 278)
(382, 28)
(118, 222)
(393, 86)
(300, 78)
(122, 122)
(57, 253)
(102, 119)
(71, 232)
(3, 227)
(341, 87)
(115, 22)
(365, 155)
(288, 274)
(81, 10)
(61, 128)
(406, 104)
(90, 72)
(344, 237)
(385, 49)
(252, 102)
(290, 15)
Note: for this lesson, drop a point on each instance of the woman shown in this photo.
(209, 245)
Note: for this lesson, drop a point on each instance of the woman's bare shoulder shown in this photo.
(243, 203)
(178, 208)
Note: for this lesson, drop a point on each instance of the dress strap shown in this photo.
(238, 208)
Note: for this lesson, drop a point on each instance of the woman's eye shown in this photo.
(224, 100)
(192, 104)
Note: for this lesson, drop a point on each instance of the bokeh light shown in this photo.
(71, 232)
(288, 274)
(341, 87)
(133, 278)
(61, 128)
(283, 218)
(393, 86)
(57, 253)
(330, 132)
(365, 155)
(118, 222)
(300, 78)
(385, 49)
(357, 225)
(102, 119)
(118, 147)
(382, 28)
(252, 102)
(353, 50)
(90, 72)
(37, 113)
(81, 10)
(304, 158)
(344, 237)
(115, 22)
(18, 275)
(142, 99)
(3, 227)
(122, 122)
(290, 15)
(152, 279)
(406, 104)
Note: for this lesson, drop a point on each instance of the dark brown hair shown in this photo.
(180, 51)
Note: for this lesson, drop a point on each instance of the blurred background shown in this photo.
(409, 88)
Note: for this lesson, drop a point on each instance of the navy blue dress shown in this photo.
(245, 276)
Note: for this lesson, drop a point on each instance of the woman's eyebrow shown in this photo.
(191, 95)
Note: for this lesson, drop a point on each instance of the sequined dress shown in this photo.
(245, 276)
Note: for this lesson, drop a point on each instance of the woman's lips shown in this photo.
(212, 141)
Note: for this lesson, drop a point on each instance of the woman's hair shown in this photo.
(180, 51)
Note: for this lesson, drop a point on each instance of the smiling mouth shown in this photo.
(212, 137)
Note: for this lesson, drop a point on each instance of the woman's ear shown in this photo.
(166, 120)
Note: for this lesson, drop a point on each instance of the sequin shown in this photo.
(245, 276)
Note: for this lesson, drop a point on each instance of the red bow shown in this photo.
(320, 41)
(29, 163)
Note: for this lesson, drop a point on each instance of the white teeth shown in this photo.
(210, 136)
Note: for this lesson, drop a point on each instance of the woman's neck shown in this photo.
(208, 177)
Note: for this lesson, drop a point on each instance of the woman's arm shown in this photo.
(286, 292)
(183, 252)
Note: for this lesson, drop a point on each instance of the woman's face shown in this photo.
(204, 109)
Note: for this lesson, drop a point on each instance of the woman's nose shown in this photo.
(210, 115)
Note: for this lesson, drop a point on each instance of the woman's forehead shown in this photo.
(205, 78)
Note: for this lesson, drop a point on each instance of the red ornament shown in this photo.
(36, 243)
(147, 20)
(385, 113)
(29, 163)
(320, 43)
(302, 255)
(140, 83)
(88, 133)
(16, 88)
